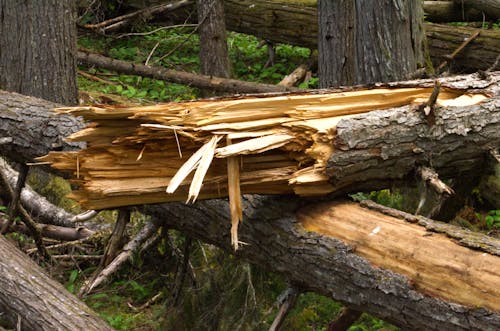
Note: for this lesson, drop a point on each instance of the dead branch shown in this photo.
(452, 56)
(130, 248)
(115, 242)
(50, 231)
(288, 299)
(17, 208)
(124, 20)
(296, 76)
(180, 77)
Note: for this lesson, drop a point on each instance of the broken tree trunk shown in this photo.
(312, 143)
(337, 268)
(296, 23)
(41, 303)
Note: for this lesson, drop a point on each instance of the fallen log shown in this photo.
(450, 11)
(225, 85)
(41, 303)
(330, 249)
(490, 8)
(319, 262)
(50, 231)
(296, 23)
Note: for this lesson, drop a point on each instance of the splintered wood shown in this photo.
(216, 148)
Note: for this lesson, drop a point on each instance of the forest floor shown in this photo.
(219, 292)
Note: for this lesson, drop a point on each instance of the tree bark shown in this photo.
(42, 303)
(214, 55)
(362, 42)
(219, 84)
(37, 49)
(45, 131)
(343, 267)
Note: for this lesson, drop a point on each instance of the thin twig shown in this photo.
(156, 30)
(120, 21)
(287, 301)
(458, 50)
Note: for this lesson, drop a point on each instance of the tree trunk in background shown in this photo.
(362, 42)
(38, 48)
(214, 55)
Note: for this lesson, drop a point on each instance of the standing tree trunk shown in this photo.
(38, 48)
(362, 41)
(214, 56)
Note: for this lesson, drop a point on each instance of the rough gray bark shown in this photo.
(456, 145)
(43, 131)
(37, 49)
(42, 303)
(214, 55)
(362, 42)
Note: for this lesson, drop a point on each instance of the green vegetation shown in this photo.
(161, 47)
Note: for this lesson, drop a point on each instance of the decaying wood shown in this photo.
(40, 302)
(15, 208)
(296, 76)
(45, 212)
(225, 85)
(450, 11)
(317, 262)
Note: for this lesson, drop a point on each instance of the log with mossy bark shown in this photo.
(352, 269)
